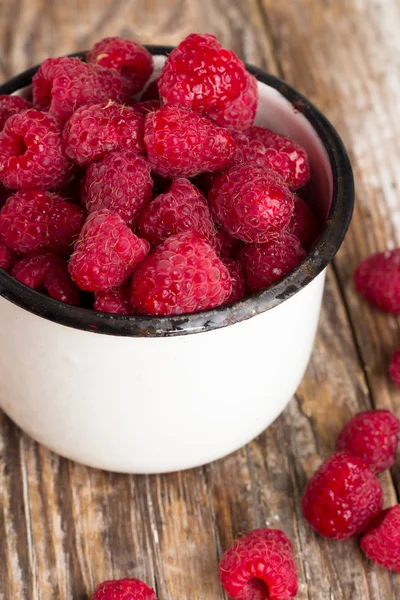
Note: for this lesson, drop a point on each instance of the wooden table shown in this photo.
(63, 527)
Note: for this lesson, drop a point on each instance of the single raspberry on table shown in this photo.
(251, 203)
(342, 497)
(260, 566)
(121, 182)
(288, 158)
(181, 208)
(47, 272)
(130, 59)
(241, 112)
(266, 263)
(181, 143)
(377, 278)
(95, 130)
(11, 105)
(31, 152)
(381, 543)
(303, 223)
(394, 368)
(7, 257)
(106, 253)
(116, 301)
(62, 85)
(372, 435)
(182, 275)
(33, 220)
(239, 289)
(227, 246)
(201, 75)
(123, 589)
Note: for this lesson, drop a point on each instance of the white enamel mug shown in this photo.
(152, 395)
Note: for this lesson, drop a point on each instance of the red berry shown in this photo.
(151, 92)
(31, 152)
(7, 257)
(106, 253)
(116, 301)
(266, 263)
(199, 74)
(303, 223)
(123, 589)
(181, 143)
(95, 130)
(377, 278)
(129, 58)
(342, 497)
(182, 275)
(11, 105)
(373, 435)
(62, 85)
(241, 112)
(381, 543)
(182, 208)
(32, 220)
(239, 289)
(227, 246)
(286, 158)
(260, 566)
(394, 368)
(121, 182)
(47, 272)
(251, 203)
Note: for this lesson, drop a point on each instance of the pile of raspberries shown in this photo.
(343, 499)
(153, 197)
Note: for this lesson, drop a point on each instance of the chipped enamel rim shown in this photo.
(320, 256)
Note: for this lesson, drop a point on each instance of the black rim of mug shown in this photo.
(315, 262)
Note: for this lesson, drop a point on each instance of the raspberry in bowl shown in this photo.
(214, 303)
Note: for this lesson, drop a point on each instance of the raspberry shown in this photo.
(47, 272)
(121, 182)
(106, 253)
(129, 58)
(95, 130)
(372, 435)
(31, 152)
(32, 220)
(182, 275)
(7, 257)
(394, 369)
(181, 143)
(123, 589)
(342, 497)
(116, 300)
(11, 105)
(260, 566)
(265, 263)
(228, 246)
(151, 92)
(62, 85)
(303, 223)
(241, 112)
(199, 74)
(235, 269)
(251, 203)
(377, 278)
(182, 208)
(381, 543)
(289, 160)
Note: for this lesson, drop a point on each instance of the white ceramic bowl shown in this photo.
(151, 395)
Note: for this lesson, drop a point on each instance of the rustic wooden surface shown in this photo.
(63, 527)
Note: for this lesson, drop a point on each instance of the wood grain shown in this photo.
(65, 527)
